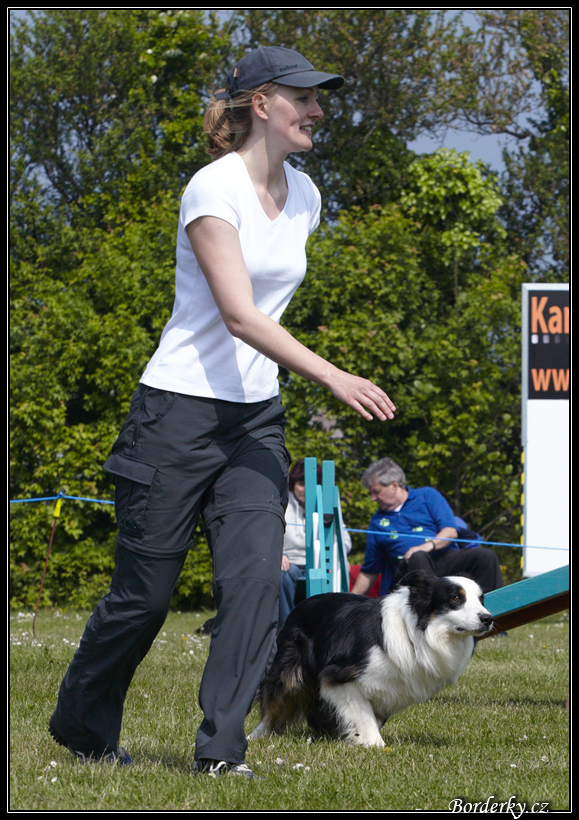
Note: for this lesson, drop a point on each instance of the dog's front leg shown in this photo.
(354, 714)
(262, 730)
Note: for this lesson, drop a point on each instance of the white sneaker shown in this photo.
(215, 768)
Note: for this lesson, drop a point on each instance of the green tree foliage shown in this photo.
(536, 183)
(107, 105)
(410, 281)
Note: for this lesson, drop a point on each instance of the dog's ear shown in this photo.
(421, 585)
(417, 578)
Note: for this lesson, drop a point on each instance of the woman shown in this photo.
(205, 432)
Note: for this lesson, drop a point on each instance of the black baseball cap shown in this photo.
(276, 64)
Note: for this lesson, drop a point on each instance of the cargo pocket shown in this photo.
(133, 480)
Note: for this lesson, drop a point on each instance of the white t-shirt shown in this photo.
(197, 355)
(294, 540)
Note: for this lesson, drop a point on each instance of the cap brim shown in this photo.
(310, 79)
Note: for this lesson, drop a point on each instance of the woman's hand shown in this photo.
(364, 396)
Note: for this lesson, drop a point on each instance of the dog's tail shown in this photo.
(288, 687)
(286, 673)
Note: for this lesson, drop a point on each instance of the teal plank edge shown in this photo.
(528, 592)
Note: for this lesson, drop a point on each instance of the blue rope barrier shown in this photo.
(457, 540)
(60, 495)
(392, 536)
(366, 532)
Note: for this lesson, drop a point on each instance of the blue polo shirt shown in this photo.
(391, 534)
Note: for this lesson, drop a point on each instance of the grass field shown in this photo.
(502, 733)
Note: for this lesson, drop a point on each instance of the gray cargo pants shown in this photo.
(178, 457)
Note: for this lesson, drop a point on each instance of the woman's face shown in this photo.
(299, 491)
(292, 114)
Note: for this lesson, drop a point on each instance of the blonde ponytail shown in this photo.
(227, 122)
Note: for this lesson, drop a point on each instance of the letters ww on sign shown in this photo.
(548, 344)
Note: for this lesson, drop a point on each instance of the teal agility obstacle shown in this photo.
(327, 567)
(326, 563)
(529, 600)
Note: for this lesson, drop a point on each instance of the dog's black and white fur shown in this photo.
(347, 663)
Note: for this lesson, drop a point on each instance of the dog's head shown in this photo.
(455, 601)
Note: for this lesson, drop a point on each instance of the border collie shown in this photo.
(346, 663)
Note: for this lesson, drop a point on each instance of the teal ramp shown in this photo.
(529, 600)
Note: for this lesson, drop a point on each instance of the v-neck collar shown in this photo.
(250, 181)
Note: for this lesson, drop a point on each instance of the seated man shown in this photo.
(293, 563)
(415, 529)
